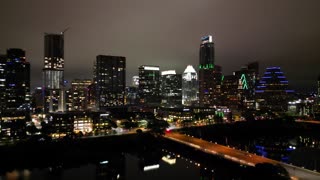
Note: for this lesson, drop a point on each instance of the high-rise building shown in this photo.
(246, 87)
(17, 80)
(37, 99)
(206, 55)
(229, 92)
(3, 65)
(209, 74)
(273, 92)
(149, 85)
(190, 87)
(135, 81)
(53, 72)
(319, 87)
(80, 94)
(110, 79)
(14, 93)
(171, 85)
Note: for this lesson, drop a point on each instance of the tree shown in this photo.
(158, 126)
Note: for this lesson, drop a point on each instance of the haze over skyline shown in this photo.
(167, 33)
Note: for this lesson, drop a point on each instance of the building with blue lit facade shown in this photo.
(272, 91)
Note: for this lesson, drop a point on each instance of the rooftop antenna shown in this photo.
(62, 32)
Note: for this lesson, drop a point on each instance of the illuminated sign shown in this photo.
(151, 167)
(163, 73)
(169, 160)
(153, 68)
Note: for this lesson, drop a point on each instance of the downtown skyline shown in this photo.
(168, 35)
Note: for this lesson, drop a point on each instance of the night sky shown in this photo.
(167, 33)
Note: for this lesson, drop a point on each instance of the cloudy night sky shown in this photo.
(167, 33)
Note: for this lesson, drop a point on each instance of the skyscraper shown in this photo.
(190, 87)
(319, 87)
(171, 89)
(15, 80)
(3, 65)
(149, 85)
(209, 74)
(53, 72)
(246, 87)
(110, 78)
(206, 55)
(135, 81)
(80, 94)
(273, 92)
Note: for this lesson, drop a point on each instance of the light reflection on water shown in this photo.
(128, 167)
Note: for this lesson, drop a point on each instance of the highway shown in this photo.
(239, 156)
(308, 121)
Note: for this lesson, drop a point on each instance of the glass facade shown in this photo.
(149, 85)
(15, 80)
(190, 87)
(171, 89)
(110, 72)
(53, 72)
(209, 74)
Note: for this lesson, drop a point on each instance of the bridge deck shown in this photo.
(239, 156)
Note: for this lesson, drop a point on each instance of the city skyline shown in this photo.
(246, 31)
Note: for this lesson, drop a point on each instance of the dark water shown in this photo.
(127, 168)
(298, 148)
(157, 160)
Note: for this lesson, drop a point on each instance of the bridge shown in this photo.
(239, 156)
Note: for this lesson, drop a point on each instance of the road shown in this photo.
(308, 121)
(239, 156)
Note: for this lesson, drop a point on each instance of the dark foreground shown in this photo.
(136, 156)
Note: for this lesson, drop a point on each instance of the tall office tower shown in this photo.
(37, 99)
(3, 65)
(135, 81)
(110, 79)
(319, 87)
(230, 93)
(69, 100)
(53, 72)
(80, 94)
(149, 85)
(273, 92)
(190, 87)
(171, 95)
(246, 87)
(209, 74)
(17, 80)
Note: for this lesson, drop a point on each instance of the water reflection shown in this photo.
(148, 159)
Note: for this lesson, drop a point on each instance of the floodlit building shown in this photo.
(135, 81)
(170, 89)
(190, 87)
(53, 72)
